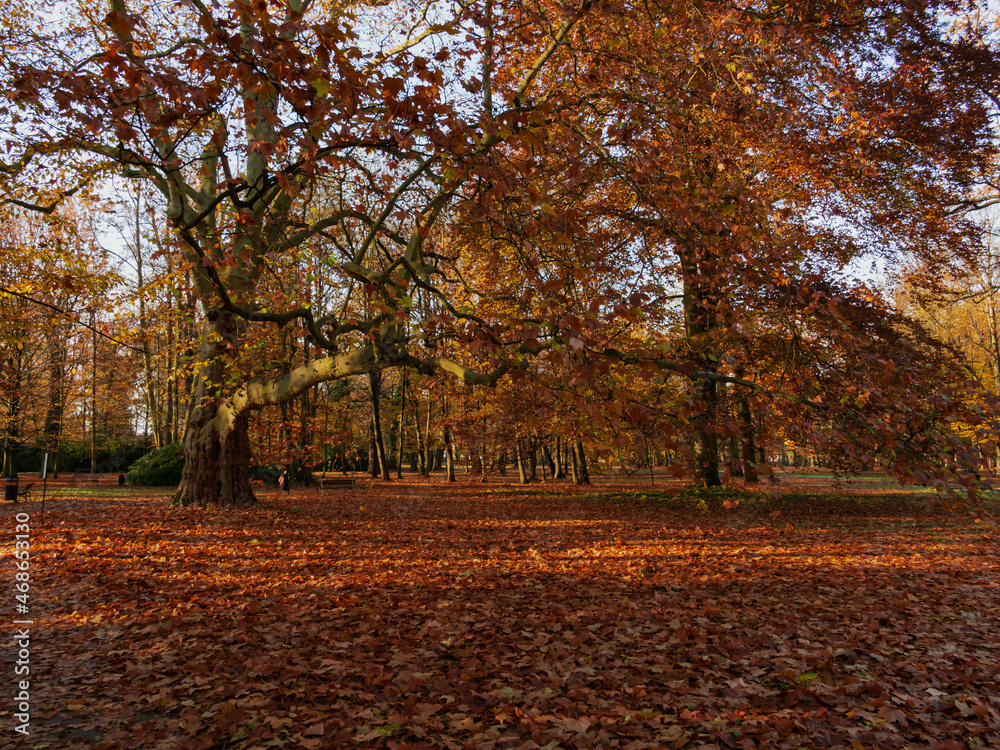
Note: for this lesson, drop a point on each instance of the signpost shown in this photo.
(45, 476)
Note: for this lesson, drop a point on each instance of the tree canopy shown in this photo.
(605, 198)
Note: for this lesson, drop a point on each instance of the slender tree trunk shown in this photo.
(372, 450)
(478, 457)
(735, 460)
(582, 460)
(547, 458)
(649, 460)
(519, 457)
(421, 454)
(402, 429)
(147, 357)
(748, 448)
(559, 471)
(430, 459)
(12, 420)
(54, 413)
(306, 411)
(574, 464)
(170, 416)
(375, 385)
(449, 456)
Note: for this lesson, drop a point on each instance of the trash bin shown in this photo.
(121, 478)
(10, 489)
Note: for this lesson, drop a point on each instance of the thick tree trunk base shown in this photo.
(216, 465)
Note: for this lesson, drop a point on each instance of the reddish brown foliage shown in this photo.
(423, 615)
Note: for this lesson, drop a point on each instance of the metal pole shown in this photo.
(45, 477)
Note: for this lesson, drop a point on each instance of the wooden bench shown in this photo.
(24, 493)
(340, 483)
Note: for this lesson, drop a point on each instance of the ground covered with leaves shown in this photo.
(422, 615)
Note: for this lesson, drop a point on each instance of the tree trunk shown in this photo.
(216, 442)
(216, 461)
(307, 416)
(994, 336)
(547, 459)
(574, 464)
(559, 472)
(706, 440)
(147, 357)
(421, 454)
(375, 384)
(749, 450)
(699, 322)
(372, 450)
(735, 462)
(402, 429)
(449, 456)
(170, 416)
(581, 460)
(12, 421)
(430, 457)
(54, 413)
(519, 457)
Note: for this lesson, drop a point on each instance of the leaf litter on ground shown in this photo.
(425, 615)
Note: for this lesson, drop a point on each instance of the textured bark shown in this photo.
(216, 460)
(402, 429)
(735, 462)
(747, 443)
(216, 442)
(699, 322)
(375, 385)
(372, 451)
(548, 462)
(430, 457)
(706, 440)
(307, 417)
(12, 419)
(519, 457)
(449, 456)
(147, 356)
(581, 460)
(169, 427)
(56, 408)
(559, 472)
(421, 454)
(11, 442)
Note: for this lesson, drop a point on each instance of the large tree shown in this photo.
(592, 145)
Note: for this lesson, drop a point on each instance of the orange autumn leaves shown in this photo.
(443, 616)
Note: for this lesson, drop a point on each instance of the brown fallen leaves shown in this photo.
(420, 615)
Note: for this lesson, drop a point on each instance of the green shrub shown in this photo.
(161, 468)
(265, 471)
